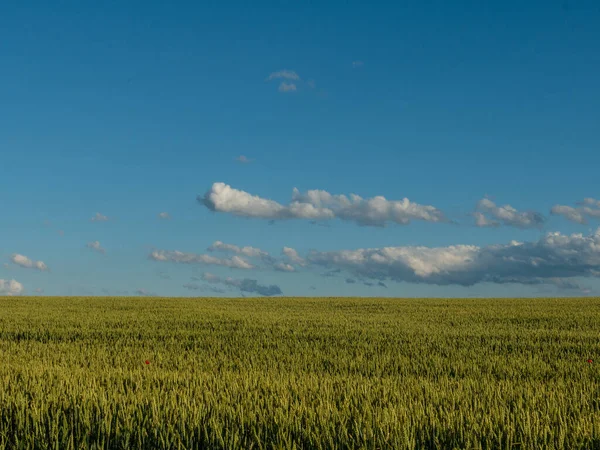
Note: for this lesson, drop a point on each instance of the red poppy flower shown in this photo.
(590, 361)
(147, 362)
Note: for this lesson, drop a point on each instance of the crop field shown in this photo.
(299, 373)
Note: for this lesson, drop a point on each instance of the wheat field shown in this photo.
(299, 373)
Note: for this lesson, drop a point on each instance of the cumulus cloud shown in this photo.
(164, 215)
(285, 74)
(247, 251)
(284, 267)
(553, 259)
(588, 208)
(287, 87)
(482, 221)
(10, 287)
(320, 205)
(243, 159)
(24, 261)
(244, 285)
(293, 256)
(99, 218)
(505, 215)
(176, 256)
(95, 245)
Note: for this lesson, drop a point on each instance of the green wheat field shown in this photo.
(299, 373)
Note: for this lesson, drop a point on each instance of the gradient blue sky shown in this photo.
(130, 109)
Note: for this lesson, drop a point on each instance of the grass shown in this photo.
(299, 373)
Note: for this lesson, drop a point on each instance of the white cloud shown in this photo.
(357, 64)
(550, 260)
(99, 218)
(247, 251)
(482, 221)
(284, 267)
(95, 245)
(244, 285)
(293, 256)
(287, 87)
(589, 208)
(243, 159)
(39, 290)
(176, 256)
(321, 205)
(506, 215)
(27, 263)
(285, 73)
(10, 287)
(164, 215)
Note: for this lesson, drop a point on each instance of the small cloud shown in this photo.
(244, 285)
(243, 159)
(312, 288)
(10, 287)
(192, 258)
(311, 84)
(39, 291)
(506, 215)
(284, 267)
(589, 208)
(382, 284)
(350, 281)
(285, 73)
(164, 275)
(203, 288)
(164, 215)
(287, 87)
(95, 245)
(145, 293)
(99, 218)
(25, 262)
(331, 273)
(357, 64)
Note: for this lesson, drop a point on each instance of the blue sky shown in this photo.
(130, 110)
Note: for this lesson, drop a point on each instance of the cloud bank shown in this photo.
(550, 260)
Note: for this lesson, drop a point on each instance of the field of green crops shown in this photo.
(304, 373)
